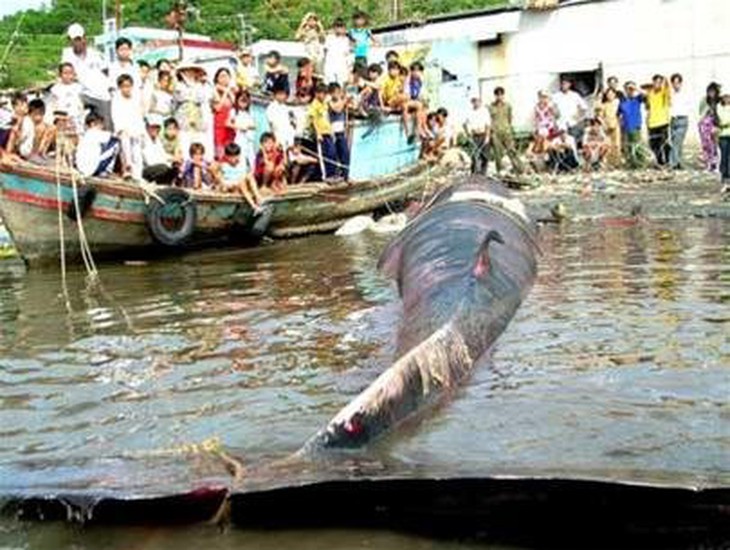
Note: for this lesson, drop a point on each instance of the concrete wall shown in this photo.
(632, 39)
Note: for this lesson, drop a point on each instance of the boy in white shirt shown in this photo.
(65, 102)
(129, 126)
(123, 63)
(281, 119)
(158, 165)
(97, 151)
(22, 133)
(337, 54)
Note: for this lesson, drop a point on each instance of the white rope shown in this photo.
(64, 155)
(61, 234)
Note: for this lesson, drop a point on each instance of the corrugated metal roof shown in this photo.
(507, 6)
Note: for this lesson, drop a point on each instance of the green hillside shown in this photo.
(30, 43)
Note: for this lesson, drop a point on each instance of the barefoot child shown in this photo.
(270, 169)
(129, 126)
(236, 178)
(22, 132)
(44, 133)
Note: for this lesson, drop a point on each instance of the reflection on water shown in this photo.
(618, 364)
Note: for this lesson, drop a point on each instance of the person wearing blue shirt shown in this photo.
(629, 112)
(361, 38)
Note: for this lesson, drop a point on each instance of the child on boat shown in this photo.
(236, 178)
(66, 101)
(123, 64)
(97, 150)
(22, 132)
(281, 119)
(392, 91)
(247, 76)
(306, 82)
(44, 133)
(270, 168)
(191, 100)
(277, 75)
(162, 101)
(370, 98)
(320, 120)
(128, 122)
(159, 167)
(361, 37)
(338, 105)
(303, 165)
(337, 54)
(311, 34)
(198, 173)
(171, 141)
(415, 105)
(245, 126)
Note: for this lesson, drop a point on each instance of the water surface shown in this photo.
(618, 366)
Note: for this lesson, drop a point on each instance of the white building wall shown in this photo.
(632, 39)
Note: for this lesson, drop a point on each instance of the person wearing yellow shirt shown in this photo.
(319, 118)
(658, 105)
(392, 89)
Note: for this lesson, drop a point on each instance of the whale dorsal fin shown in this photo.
(482, 262)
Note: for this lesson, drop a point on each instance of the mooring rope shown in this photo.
(61, 234)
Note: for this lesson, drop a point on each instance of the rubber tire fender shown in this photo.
(155, 211)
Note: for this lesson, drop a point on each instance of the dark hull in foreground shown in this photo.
(533, 512)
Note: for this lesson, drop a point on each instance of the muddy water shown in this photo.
(618, 365)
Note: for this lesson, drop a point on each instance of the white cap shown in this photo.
(76, 31)
(154, 119)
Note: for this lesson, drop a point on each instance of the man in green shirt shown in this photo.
(502, 139)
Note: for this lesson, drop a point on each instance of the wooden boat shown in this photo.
(117, 221)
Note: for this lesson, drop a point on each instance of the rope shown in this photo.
(61, 235)
(63, 156)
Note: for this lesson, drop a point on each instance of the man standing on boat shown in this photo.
(89, 67)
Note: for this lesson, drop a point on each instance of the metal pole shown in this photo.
(118, 13)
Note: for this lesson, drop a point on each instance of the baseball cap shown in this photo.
(76, 31)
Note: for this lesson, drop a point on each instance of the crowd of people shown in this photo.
(174, 124)
(606, 131)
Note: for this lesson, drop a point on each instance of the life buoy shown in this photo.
(86, 196)
(172, 223)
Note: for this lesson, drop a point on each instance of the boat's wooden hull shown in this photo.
(115, 224)
(321, 208)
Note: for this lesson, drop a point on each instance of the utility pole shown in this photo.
(394, 10)
(118, 13)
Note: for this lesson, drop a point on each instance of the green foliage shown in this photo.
(36, 49)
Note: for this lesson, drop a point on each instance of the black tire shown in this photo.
(86, 195)
(172, 223)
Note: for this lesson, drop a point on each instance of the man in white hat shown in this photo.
(89, 67)
(158, 166)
